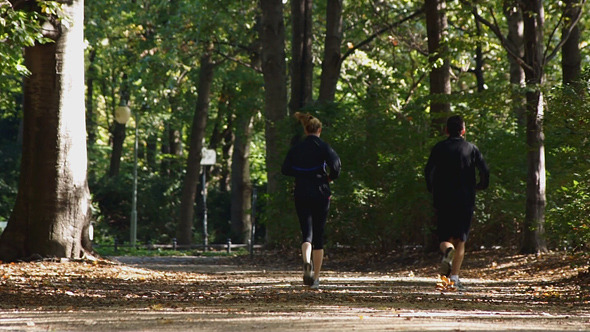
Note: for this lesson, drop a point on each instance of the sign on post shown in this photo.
(208, 157)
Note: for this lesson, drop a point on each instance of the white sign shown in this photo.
(208, 157)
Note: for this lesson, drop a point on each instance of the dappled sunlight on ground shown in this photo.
(206, 293)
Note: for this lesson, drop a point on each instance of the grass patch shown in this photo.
(108, 249)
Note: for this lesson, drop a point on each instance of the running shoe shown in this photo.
(447, 262)
(315, 284)
(457, 285)
(307, 274)
(460, 286)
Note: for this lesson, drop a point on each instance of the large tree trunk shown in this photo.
(241, 188)
(440, 73)
(52, 210)
(184, 231)
(272, 37)
(515, 40)
(534, 224)
(301, 65)
(332, 61)
(570, 51)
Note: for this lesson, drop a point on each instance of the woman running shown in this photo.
(314, 164)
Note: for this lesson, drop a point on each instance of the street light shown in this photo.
(122, 115)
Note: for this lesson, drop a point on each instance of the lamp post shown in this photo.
(122, 115)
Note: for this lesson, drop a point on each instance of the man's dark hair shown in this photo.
(455, 125)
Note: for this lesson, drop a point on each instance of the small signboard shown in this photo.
(208, 157)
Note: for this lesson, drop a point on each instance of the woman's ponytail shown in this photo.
(311, 124)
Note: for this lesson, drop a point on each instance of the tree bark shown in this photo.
(533, 16)
(301, 62)
(52, 210)
(172, 149)
(272, 36)
(241, 187)
(184, 232)
(440, 74)
(515, 40)
(570, 51)
(332, 62)
(119, 135)
(90, 122)
(479, 60)
(223, 134)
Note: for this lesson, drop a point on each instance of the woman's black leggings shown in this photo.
(313, 214)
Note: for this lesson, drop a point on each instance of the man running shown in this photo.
(450, 177)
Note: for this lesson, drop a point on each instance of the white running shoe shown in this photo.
(316, 284)
(447, 262)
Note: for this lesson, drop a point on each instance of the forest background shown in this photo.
(193, 75)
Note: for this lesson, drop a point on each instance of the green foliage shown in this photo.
(9, 164)
(158, 205)
(568, 221)
(19, 28)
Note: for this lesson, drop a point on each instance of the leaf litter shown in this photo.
(498, 282)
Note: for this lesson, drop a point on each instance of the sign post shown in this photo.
(208, 158)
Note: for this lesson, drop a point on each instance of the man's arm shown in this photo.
(484, 171)
(334, 164)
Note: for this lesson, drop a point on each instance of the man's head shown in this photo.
(455, 126)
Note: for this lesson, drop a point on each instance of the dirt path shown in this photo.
(239, 294)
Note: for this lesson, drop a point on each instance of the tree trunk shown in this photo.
(534, 241)
(223, 135)
(172, 149)
(241, 187)
(52, 210)
(332, 62)
(119, 135)
(301, 65)
(440, 74)
(570, 51)
(272, 36)
(90, 122)
(515, 40)
(479, 60)
(184, 232)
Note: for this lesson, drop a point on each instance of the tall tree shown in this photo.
(570, 54)
(90, 116)
(184, 231)
(533, 62)
(51, 215)
(272, 37)
(241, 187)
(301, 52)
(440, 72)
(515, 40)
(534, 21)
(331, 62)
